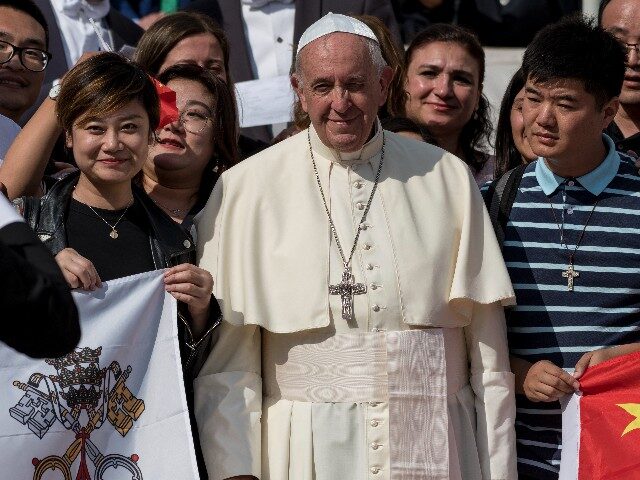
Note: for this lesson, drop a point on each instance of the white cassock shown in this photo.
(417, 385)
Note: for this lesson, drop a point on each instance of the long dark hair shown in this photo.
(507, 155)
(477, 130)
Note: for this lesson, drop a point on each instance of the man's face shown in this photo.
(19, 87)
(340, 89)
(622, 19)
(562, 121)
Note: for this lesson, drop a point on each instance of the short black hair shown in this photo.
(576, 48)
(31, 9)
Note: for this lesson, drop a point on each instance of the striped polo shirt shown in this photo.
(550, 322)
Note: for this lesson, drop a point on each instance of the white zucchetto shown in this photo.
(332, 23)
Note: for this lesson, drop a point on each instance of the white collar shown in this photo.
(363, 155)
(82, 9)
(263, 3)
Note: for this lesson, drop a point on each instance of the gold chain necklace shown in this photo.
(114, 233)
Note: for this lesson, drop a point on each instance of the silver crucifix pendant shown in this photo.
(347, 289)
(570, 274)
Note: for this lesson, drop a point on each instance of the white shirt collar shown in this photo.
(82, 8)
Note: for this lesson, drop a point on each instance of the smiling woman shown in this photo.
(444, 73)
(189, 154)
(96, 221)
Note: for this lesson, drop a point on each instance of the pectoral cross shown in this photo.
(347, 289)
(570, 274)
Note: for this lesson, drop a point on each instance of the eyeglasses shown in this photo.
(32, 59)
(194, 120)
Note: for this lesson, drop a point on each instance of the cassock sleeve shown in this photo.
(228, 403)
(493, 385)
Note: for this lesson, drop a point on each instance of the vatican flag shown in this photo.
(601, 426)
(114, 408)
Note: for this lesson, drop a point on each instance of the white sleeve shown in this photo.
(228, 403)
(494, 388)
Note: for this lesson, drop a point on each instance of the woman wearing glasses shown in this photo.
(183, 162)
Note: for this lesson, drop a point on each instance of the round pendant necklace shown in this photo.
(114, 233)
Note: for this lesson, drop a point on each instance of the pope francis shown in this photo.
(362, 291)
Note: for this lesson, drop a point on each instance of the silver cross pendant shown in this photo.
(347, 288)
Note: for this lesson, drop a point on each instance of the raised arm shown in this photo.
(26, 160)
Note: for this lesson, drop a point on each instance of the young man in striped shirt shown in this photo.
(572, 243)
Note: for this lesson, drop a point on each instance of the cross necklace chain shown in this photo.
(347, 288)
(570, 273)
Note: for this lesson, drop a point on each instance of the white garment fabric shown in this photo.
(262, 3)
(9, 130)
(8, 213)
(78, 34)
(269, 33)
(429, 259)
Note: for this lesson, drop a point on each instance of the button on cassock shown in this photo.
(375, 470)
(374, 423)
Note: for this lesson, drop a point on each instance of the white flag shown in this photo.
(115, 408)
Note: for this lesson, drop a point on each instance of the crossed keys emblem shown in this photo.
(80, 386)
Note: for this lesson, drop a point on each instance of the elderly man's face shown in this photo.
(340, 89)
(19, 87)
(622, 19)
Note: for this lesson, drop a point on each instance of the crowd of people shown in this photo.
(385, 287)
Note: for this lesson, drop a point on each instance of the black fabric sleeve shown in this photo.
(37, 314)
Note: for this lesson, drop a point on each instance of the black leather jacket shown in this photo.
(170, 245)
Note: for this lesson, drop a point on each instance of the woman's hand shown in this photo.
(193, 286)
(78, 271)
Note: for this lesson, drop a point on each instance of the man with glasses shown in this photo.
(622, 19)
(23, 57)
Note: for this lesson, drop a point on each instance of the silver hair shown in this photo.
(375, 54)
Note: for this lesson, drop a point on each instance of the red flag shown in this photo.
(168, 109)
(609, 422)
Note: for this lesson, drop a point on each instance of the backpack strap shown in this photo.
(500, 198)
